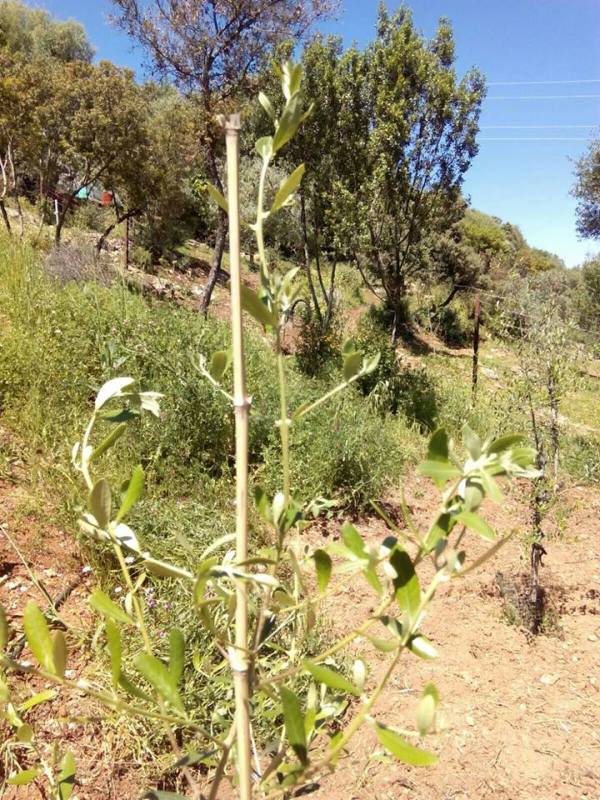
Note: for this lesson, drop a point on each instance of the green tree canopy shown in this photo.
(34, 34)
(412, 128)
(587, 193)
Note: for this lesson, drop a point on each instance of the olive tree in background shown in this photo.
(587, 193)
(212, 49)
(414, 140)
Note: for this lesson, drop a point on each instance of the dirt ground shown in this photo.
(520, 716)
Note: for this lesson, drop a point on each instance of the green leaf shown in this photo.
(287, 188)
(164, 570)
(323, 567)
(288, 123)
(370, 364)
(267, 105)
(294, 723)
(399, 747)
(40, 697)
(406, 583)
(440, 529)
(471, 520)
(25, 733)
(59, 653)
(135, 487)
(113, 639)
(348, 347)
(38, 636)
(4, 691)
(111, 389)
(218, 364)
(472, 495)
(66, 777)
(264, 147)
(123, 415)
(217, 197)
(383, 645)
(126, 537)
(100, 502)
(24, 777)
(112, 437)
(427, 708)
(472, 442)
(353, 540)
(438, 449)
(359, 673)
(252, 303)
(491, 487)
(330, 677)
(352, 365)
(159, 677)
(176, 654)
(127, 685)
(422, 647)
(4, 632)
(439, 471)
(263, 506)
(504, 443)
(291, 77)
(102, 603)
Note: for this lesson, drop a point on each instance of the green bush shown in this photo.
(339, 452)
(90, 216)
(61, 343)
(408, 391)
(453, 326)
(317, 350)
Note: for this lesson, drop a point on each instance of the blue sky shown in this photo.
(525, 182)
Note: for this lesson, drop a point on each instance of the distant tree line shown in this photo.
(392, 132)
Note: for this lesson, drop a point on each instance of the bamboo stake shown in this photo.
(238, 655)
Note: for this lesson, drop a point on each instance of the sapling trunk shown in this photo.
(238, 654)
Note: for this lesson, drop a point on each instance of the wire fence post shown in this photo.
(475, 349)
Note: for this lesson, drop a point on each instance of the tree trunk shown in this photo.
(309, 279)
(450, 297)
(329, 313)
(5, 216)
(215, 266)
(126, 249)
(59, 226)
(222, 225)
(125, 218)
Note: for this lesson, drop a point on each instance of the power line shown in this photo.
(535, 139)
(542, 83)
(544, 97)
(536, 127)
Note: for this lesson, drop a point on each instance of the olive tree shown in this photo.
(212, 49)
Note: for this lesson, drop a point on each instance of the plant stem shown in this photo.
(284, 422)
(238, 655)
(260, 240)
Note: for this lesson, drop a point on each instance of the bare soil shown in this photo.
(520, 715)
